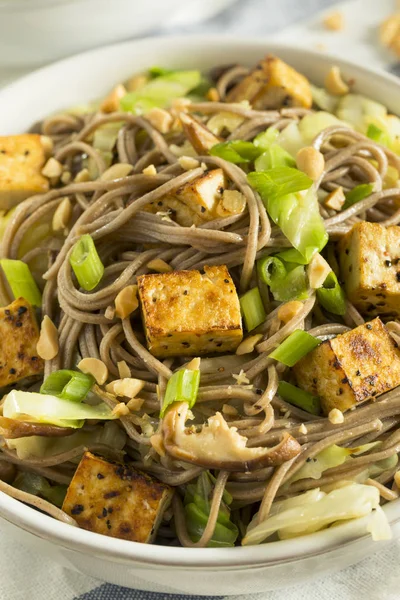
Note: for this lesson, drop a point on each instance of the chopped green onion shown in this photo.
(159, 72)
(264, 139)
(293, 209)
(236, 151)
(86, 263)
(298, 344)
(272, 157)
(252, 309)
(160, 91)
(182, 387)
(278, 182)
(271, 269)
(292, 256)
(69, 385)
(21, 281)
(299, 398)
(331, 295)
(377, 134)
(357, 194)
(43, 408)
(287, 281)
(35, 484)
(197, 508)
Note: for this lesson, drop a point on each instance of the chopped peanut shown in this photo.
(52, 169)
(389, 33)
(303, 429)
(120, 410)
(95, 367)
(241, 377)
(150, 170)
(82, 176)
(287, 311)
(232, 202)
(47, 144)
(212, 95)
(128, 387)
(229, 410)
(188, 163)
(335, 84)
(335, 199)
(335, 416)
(311, 162)
(47, 346)
(135, 83)
(248, 344)
(126, 301)
(117, 171)
(123, 369)
(334, 21)
(160, 119)
(317, 271)
(62, 215)
(159, 265)
(135, 404)
(109, 313)
(111, 102)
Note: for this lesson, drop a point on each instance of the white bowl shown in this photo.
(35, 32)
(156, 568)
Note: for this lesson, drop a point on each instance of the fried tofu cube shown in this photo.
(19, 334)
(176, 210)
(201, 138)
(273, 84)
(203, 193)
(22, 158)
(195, 202)
(188, 313)
(370, 268)
(116, 500)
(351, 368)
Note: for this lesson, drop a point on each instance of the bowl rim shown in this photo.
(114, 549)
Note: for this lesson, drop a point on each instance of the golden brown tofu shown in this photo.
(116, 500)
(273, 84)
(353, 367)
(22, 158)
(177, 211)
(187, 313)
(19, 334)
(201, 138)
(203, 193)
(195, 202)
(370, 268)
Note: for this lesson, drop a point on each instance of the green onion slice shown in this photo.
(377, 134)
(357, 194)
(236, 151)
(298, 344)
(182, 387)
(271, 270)
(252, 309)
(331, 295)
(35, 484)
(86, 263)
(21, 281)
(69, 385)
(197, 508)
(299, 398)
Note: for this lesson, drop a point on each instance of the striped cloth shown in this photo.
(24, 575)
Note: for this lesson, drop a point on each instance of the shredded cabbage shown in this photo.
(356, 109)
(350, 502)
(43, 408)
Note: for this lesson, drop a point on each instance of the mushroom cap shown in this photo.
(218, 446)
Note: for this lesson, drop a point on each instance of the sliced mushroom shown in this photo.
(12, 428)
(218, 446)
